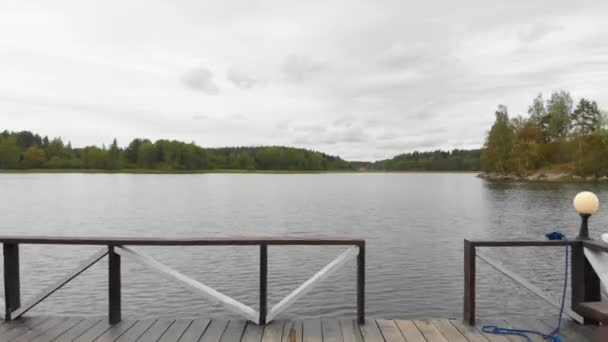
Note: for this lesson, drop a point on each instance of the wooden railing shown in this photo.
(584, 282)
(114, 248)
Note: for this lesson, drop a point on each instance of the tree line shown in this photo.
(554, 135)
(455, 160)
(26, 150)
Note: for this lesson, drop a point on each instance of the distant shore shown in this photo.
(156, 171)
(540, 176)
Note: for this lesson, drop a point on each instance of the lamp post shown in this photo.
(586, 204)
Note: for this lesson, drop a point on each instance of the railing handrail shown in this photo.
(584, 282)
(116, 247)
(520, 243)
(595, 245)
(177, 241)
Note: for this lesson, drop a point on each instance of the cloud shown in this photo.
(389, 77)
(200, 117)
(299, 68)
(200, 79)
(412, 143)
(239, 117)
(316, 134)
(537, 31)
(241, 79)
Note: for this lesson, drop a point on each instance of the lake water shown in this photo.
(414, 225)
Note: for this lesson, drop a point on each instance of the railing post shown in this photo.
(114, 312)
(585, 283)
(263, 283)
(361, 283)
(469, 282)
(12, 292)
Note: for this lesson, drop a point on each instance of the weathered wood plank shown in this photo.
(214, 331)
(572, 331)
(8, 325)
(370, 331)
(498, 338)
(292, 331)
(253, 333)
(528, 324)
(21, 326)
(195, 330)
(429, 331)
(331, 330)
(136, 330)
(156, 330)
(273, 332)
(389, 330)
(38, 330)
(95, 331)
(472, 334)
(176, 330)
(449, 331)
(234, 331)
(59, 329)
(78, 330)
(350, 330)
(311, 331)
(115, 331)
(410, 331)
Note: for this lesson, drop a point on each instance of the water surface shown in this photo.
(414, 224)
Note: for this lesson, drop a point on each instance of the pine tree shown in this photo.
(539, 116)
(586, 118)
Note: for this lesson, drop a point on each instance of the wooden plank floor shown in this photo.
(41, 329)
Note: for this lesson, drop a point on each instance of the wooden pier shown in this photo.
(64, 329)
(264, 324)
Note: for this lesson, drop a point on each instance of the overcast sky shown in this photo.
(362, 79)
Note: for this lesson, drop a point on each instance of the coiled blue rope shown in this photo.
(552, 336)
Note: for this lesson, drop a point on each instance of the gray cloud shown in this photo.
(329, 136)
(200, 79)
(537, 31)
(299, 68)
(242, 79)
(200, 117)
(389, 77)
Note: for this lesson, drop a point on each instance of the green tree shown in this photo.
(146, 155)
(9, 153)
(132, 151)
(499, 143)
(539, 117)
(34, 157)
(55, 148)
(559, 109)
(114, 156)
(586, 118)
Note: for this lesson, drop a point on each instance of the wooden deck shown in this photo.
(60, 329)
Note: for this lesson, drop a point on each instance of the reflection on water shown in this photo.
(414, 225)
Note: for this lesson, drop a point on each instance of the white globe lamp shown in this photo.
(586, 204)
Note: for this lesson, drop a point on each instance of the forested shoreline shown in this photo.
(25, 150)
(555, 137)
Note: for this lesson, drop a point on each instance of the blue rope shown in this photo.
(552, 336)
